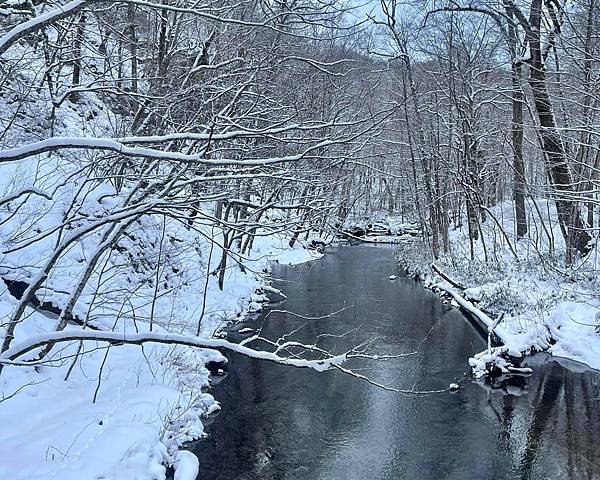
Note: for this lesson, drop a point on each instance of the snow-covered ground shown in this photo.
(546, 305)
(91, 411)
(124, 410)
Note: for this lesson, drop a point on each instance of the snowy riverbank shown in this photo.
(135, 405)
(546, 306)
(122, 251)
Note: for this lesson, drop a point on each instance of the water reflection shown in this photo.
(553, 428)
(283, 423)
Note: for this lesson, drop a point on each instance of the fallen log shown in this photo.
(491, 325)
(455, 284)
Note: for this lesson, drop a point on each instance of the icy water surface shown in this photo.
(279, 422)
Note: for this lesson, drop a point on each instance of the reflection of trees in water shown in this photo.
(281, 413)
(281, 423)
(560, 425)
(545, 406)
(591, 405)
(505, 443)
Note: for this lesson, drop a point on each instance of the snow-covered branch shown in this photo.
(116, 338)
(82, 143)
(30, 26)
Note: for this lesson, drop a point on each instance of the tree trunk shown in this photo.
(576, 238)
(518, 161)
(133, 47)
(517, 140)
(76, 80)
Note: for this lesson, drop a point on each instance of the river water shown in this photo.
(280, 422)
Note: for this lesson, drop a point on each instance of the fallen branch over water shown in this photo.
(492, 361)
(437, 270)
(491, 324)
(328, 362)
(117, 338)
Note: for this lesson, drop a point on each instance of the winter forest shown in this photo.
(299, 239)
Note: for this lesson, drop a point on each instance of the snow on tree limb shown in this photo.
(60, 143)
(24, 191)
(117, 338)
(327, 362)
(25, 28)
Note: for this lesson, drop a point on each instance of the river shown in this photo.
(280, 422)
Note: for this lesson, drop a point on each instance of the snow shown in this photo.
(546, 305)
(481, 362)
(186, 466)
(495, 358)
(148, 403)
(281, 253)
(387, 239)
(66, 431)
(18, 31)
(129, 421)
(574, 326)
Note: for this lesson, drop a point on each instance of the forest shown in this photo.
(199, 189)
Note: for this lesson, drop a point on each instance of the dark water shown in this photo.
(279, 422)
